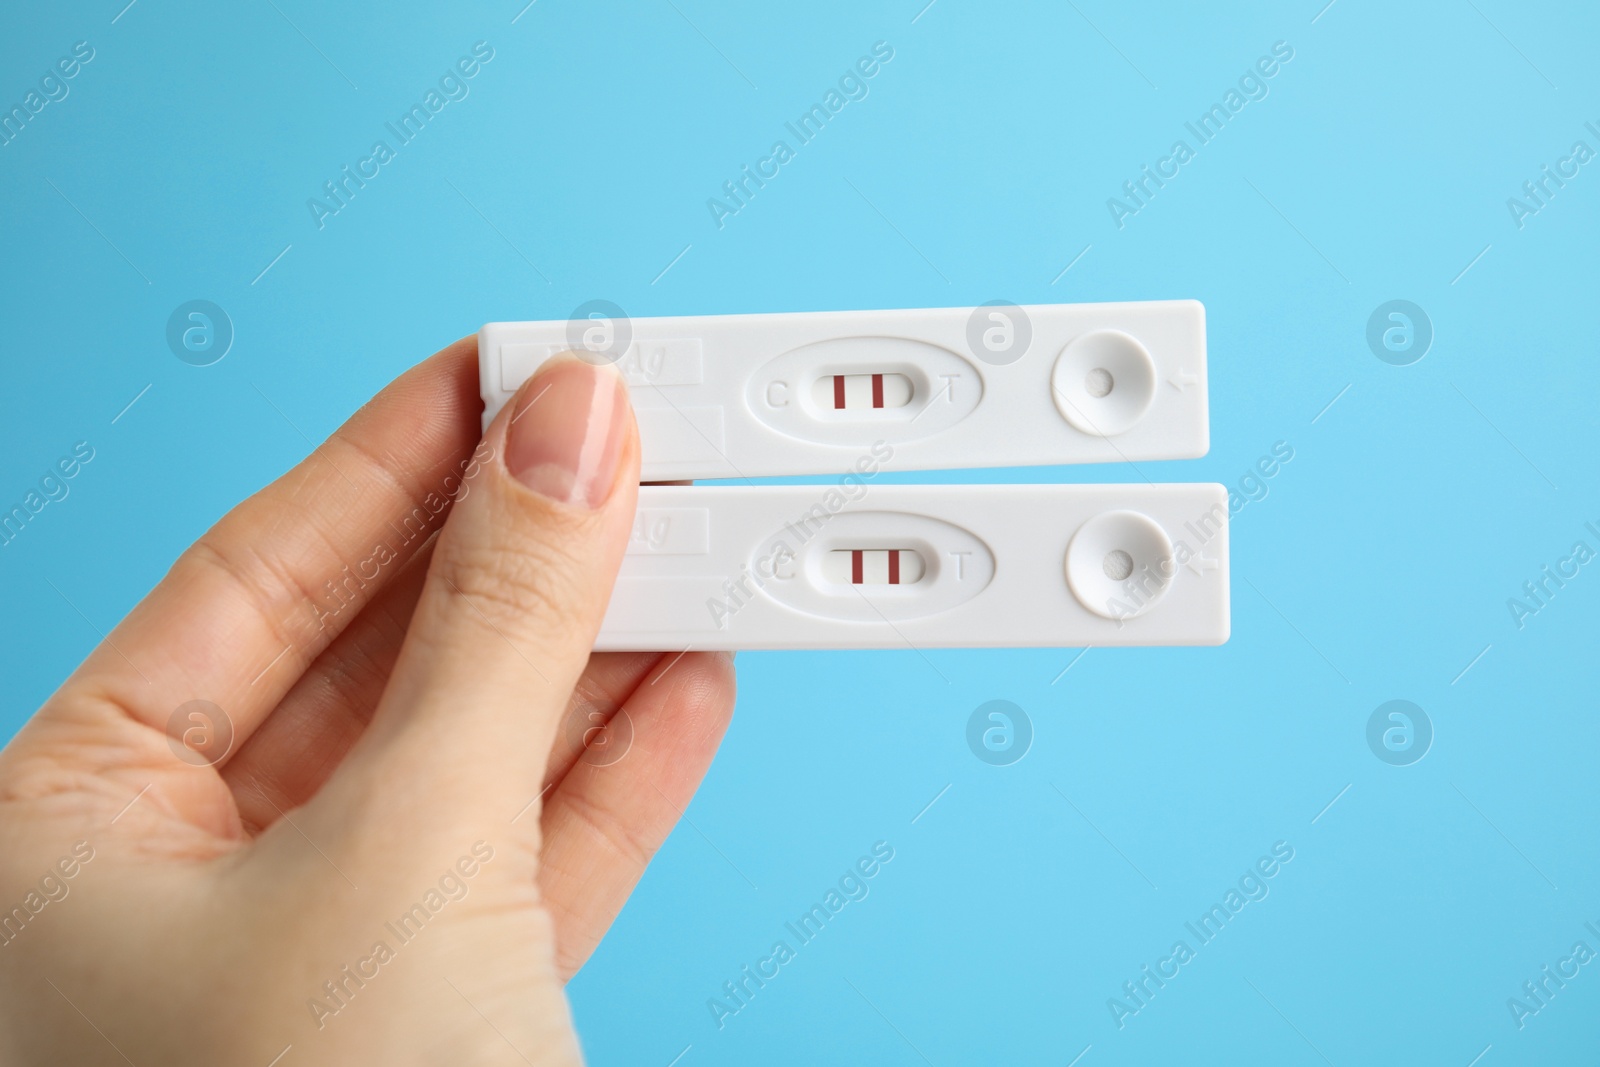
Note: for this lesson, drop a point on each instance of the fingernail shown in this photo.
(567, 426)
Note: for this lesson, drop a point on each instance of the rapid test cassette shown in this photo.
(857, 565)
(743, 396)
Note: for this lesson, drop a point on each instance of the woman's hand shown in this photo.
(335, 792)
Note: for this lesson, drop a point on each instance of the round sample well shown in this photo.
(1119, 564)
(1103, 382)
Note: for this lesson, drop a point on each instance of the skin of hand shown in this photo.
(349, 786)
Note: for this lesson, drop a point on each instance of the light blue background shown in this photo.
(1377, 567)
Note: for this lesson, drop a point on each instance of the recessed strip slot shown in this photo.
(874, 566)
(856, 392)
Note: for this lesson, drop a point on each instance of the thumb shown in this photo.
(517, 587)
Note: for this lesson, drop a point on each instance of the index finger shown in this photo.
(265, 590)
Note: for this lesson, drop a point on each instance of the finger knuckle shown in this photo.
(613, 832)
(509, 586)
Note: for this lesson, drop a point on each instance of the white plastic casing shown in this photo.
(731, 396)
(758, 567)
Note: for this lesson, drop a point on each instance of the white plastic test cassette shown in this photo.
(731, 396)
(853, 564)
